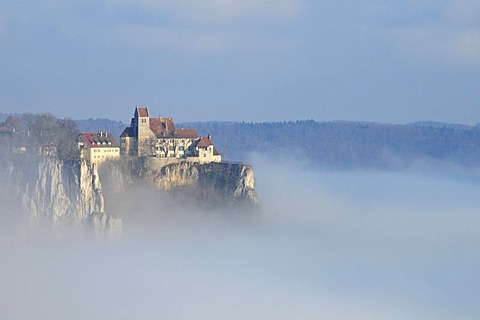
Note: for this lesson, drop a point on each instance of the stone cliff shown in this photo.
(73, 193)
(54, 192)
(211, 185)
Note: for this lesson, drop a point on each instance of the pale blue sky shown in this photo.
(252, 60)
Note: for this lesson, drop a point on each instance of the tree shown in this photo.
(66, 139)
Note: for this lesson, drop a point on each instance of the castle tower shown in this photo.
(141, 122)
(158, 137)
(141, 125)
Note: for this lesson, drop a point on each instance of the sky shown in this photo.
(251, 60)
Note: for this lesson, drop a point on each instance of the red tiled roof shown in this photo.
(162, 127)
(98, 139)
(6, 129)
(186, 133)
(142, 112)
(204, 142)
(215, 152)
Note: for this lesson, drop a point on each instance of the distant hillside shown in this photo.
(344, 144)
(337, 144)
(86, 125)
(106, 125)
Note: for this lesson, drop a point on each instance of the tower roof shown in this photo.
(128, 132)
(141, 112)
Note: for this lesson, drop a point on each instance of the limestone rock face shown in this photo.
(73, 193)
(59, 193)
(215, 184)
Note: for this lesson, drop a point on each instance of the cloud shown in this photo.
(438, 44)
(200, 26)
(463, 12)
(467, 46)
(329, 245)
(187, 26)
(1, 23)
(177, 40)
(219, 11)
(190, 41)
(204, 26)
(428, 32)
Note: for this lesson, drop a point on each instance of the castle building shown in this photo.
(158, 137)
(97, 147)
(6, 131)
(7, 128)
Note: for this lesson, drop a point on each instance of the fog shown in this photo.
(327, 245)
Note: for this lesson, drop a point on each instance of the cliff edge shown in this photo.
(73, 193)
(53, 192)
(207, 186)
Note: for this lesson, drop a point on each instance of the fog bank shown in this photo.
(335, 245)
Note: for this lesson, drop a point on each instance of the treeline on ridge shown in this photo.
(40, 134)
(345, 144)
(335, 144)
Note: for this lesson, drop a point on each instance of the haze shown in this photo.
(328, 244)
(255, 60)
(336, 245)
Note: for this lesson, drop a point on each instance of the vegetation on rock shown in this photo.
(42, 134)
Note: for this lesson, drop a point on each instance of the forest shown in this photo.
(39, 134)
(345, 144)
(332, 144)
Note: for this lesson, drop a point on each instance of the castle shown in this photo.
(97, 147)
(158, 137)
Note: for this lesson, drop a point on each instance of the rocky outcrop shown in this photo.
(47, 190)
(210, 185)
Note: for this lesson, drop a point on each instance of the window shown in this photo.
(204, 155)
(172, 156)
(181, 148)
(171, 148)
